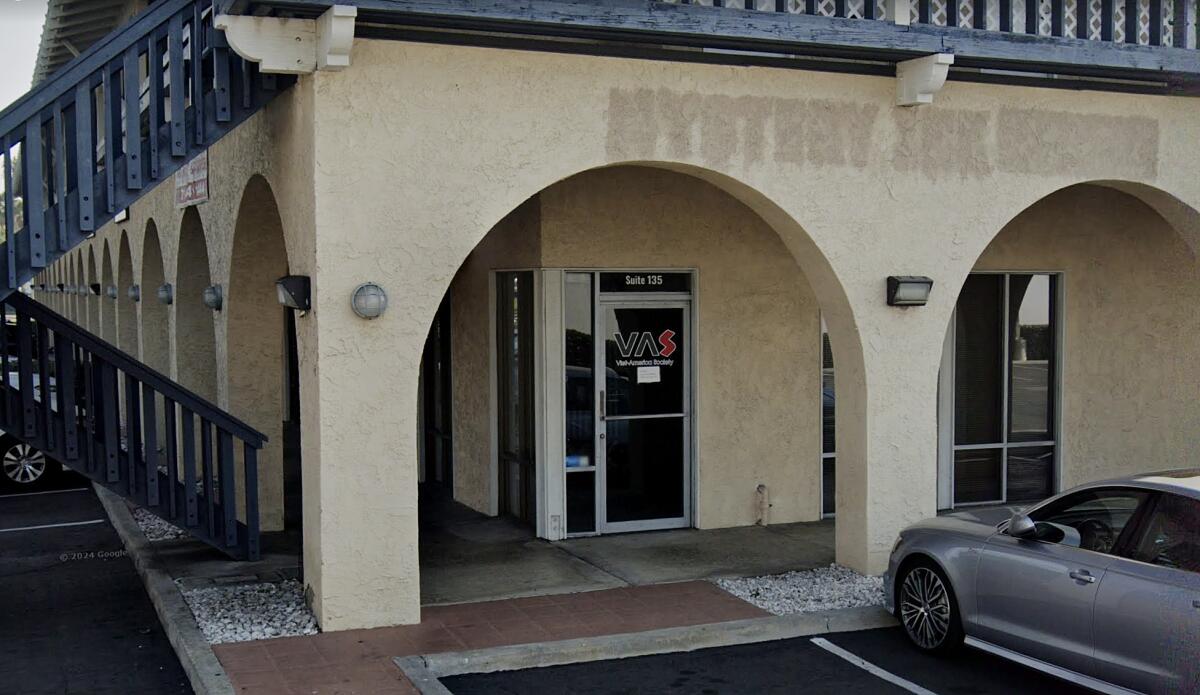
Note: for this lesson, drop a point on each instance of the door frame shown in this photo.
(642, 301)
(552, 392)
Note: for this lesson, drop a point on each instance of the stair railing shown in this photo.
(104, 414)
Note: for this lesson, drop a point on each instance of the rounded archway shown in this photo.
(1071, 354)
(261, 352)
(91, 282)
(155, 336)
(79, 278)
(73, 305)
(195, 337)
(126, 309)
(107, 305)
(743, 313)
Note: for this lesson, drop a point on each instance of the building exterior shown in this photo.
(703, 205)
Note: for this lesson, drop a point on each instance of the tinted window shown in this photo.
(1172, 537)
(1092, 519)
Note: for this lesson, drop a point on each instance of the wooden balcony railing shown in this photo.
(1141, 22)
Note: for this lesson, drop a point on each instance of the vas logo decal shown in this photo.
(638, 345)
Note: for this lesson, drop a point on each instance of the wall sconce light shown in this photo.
(212, 297)
(369, 301)
(61, 287)
(294, 292)
(166, 294)
(135, 292)
(95, 287)
(111, 292)
(908, 290)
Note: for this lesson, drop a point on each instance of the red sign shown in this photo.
(191, 182)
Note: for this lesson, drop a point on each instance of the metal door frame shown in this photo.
(630, 300)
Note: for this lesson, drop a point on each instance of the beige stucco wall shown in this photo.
(1132, 311)
(393, 170)
(758, 383)
(856, 189)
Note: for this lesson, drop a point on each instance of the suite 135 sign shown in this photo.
(191, 182)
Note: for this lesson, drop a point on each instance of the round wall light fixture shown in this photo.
(166, 294)
(212, 297)
(369, 301)
(134, 292)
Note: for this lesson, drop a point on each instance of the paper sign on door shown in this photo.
(648, 375)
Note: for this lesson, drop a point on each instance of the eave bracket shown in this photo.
(293, 46)
(917, 80)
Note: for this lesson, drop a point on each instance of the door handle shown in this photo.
(1082, 576)
(603, 405)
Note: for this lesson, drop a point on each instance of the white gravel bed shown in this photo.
(155, 528)
(246, 612)
(808, 591)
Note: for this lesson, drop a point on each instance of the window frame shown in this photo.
(947, 448)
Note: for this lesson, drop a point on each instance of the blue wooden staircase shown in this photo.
(79, 148)
(104, 130)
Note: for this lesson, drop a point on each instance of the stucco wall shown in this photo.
(1132, 311)
(856, 188)
(758, 382)
(394, 169)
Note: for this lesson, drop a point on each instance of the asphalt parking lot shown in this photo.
(852, 663)
(74, 616)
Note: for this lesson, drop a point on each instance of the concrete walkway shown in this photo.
(468, 557)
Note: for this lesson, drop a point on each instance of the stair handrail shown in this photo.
(131, 366)
(99, 54)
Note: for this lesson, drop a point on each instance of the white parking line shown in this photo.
(71, 523)
(870, 667)
(44, 492)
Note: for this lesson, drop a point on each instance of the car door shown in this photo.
(1035, 596)
(1147, 628)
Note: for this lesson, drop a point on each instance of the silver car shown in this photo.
(1099, 585)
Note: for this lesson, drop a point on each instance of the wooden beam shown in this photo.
(694, 25)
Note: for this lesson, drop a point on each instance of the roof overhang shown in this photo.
(72, 26)
(644, 28)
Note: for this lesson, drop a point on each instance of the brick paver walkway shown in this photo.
(360, 661)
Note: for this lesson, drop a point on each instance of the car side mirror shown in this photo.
(1021, 526)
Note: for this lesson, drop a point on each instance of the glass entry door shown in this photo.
(643, 420)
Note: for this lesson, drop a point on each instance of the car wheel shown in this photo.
(24, 466)
(927, 608)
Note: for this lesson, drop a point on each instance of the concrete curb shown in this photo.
(425, 671)
(203, 670)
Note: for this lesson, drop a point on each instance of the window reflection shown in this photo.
(1031, 357)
